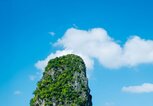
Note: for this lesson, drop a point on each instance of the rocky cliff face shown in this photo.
(64, 83)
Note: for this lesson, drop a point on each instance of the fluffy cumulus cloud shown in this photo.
(96, 44)
(144, 88)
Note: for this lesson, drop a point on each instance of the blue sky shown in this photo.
(25, 38)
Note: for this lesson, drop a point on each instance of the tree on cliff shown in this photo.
(64, 83)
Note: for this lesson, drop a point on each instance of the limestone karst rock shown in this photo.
(64, 83)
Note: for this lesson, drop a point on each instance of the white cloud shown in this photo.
(144, 88)
(138, 51)
(17, 92)
(97, 44)
(52, 33)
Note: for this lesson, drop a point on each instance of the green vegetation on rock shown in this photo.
(64, 83)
